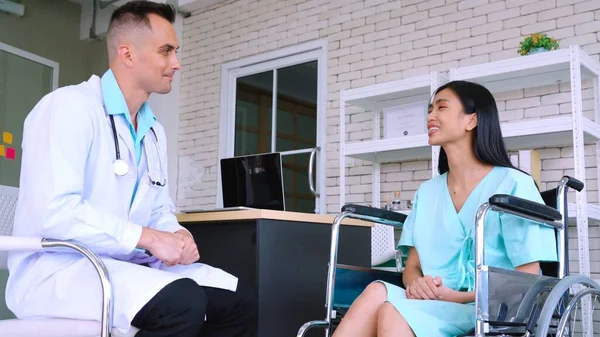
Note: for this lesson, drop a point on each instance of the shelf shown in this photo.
(391, 150)
(547, 132)
(528, 71)
(384, 95)
(593, 211)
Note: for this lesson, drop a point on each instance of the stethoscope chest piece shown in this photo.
(121, 167)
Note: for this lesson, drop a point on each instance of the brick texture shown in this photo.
(375, 41)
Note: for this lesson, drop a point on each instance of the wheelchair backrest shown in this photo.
(551, 268)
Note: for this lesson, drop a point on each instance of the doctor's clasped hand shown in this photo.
(170, 248)
(190, 252)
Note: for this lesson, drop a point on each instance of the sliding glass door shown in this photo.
(24, 80)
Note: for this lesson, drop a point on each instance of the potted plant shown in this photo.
(537, 43)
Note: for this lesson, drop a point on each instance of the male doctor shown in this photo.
(94, 170)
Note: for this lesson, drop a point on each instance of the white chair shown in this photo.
(51, 327)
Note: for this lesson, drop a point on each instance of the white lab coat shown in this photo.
(68, 190)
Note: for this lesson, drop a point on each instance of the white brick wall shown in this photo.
(375, 41)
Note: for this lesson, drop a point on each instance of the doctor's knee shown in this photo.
(180, 307)
(191, 298)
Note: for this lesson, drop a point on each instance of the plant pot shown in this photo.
(537, 50)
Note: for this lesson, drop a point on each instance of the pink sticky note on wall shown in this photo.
(11, 153)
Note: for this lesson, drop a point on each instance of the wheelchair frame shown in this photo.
(524, 315)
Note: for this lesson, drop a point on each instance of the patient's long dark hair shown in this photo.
(487, 142)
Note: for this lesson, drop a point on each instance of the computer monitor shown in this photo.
(254, 181)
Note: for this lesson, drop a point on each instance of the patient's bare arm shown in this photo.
(412, 269)
(419, 286)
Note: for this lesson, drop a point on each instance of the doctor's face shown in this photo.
(157, 59)
(446, 121)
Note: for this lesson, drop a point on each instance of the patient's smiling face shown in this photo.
(446, 121)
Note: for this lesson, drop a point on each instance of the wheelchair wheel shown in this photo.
(562, 313)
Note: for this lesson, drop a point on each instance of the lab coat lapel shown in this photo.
(143, 189)
(144, 185)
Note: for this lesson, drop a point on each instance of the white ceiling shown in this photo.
(103, 14)
(183, 5)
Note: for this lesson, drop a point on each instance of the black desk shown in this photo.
(285, 255)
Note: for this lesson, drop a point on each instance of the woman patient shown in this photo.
(438, 234)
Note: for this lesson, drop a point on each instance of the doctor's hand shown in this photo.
(167, 247)
(425, 288)
(190, 250)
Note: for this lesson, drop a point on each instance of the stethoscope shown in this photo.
(121, 167)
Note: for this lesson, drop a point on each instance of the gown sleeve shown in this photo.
(527, 241)
(406, 238)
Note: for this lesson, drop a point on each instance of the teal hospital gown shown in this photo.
(444, 240)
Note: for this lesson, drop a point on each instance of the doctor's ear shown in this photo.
(124, 53)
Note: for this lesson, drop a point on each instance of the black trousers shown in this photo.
(178, 310)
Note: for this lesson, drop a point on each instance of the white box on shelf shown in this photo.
(405, 120)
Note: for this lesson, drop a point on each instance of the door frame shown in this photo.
(297, 54)
(35, 58)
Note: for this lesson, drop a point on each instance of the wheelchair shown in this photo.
(507, 302)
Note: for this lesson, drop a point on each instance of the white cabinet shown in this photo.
(374, 99)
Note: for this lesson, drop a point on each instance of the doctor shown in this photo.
(94, 170)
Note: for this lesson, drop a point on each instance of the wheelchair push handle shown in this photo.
(573, 183)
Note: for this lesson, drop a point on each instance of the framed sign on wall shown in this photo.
(405, 120)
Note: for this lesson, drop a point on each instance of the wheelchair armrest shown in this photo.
(376, 215)
(525, 207)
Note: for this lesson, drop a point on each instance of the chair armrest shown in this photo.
(526, 208)
(377, 215)
(15, 243)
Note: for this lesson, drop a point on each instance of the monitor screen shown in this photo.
(254, 181)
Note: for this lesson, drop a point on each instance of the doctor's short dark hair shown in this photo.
(134, 14)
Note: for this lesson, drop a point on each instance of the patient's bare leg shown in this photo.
(361, 319)
(391, 323)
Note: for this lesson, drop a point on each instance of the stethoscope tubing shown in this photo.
(116, 139)
(121, 167)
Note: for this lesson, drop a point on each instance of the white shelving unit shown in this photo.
(571, 65)
(374, 99)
